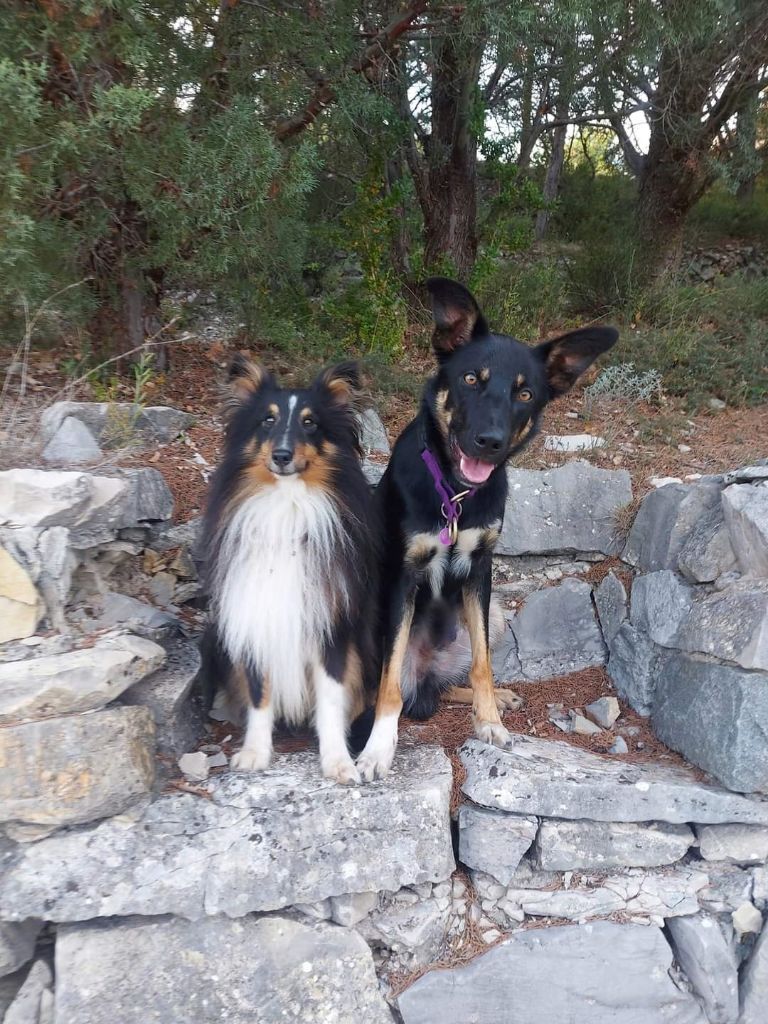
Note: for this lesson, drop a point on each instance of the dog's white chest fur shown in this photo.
(276, 587)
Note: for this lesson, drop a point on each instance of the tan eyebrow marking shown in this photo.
(519, 380)
(485, 374)
(306, 411)
(273, 410)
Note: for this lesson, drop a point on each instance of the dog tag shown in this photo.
(445, 536)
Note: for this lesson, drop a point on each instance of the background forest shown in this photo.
(307, 164)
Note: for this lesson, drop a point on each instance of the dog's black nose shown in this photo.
(490, 442)
(282, 456)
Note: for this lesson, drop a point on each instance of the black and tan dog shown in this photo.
(442, 501)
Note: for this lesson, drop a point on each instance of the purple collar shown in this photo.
(451, 503)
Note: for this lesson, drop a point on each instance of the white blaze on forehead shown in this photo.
(283, 442)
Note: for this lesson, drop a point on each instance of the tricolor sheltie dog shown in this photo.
(290, 544)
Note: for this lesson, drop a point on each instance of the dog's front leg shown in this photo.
(485, 713)
(335, 678)
(255, 692)
(376, 759)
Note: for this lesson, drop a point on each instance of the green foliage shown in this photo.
(705, 342)
(525, 299)
(720, 214)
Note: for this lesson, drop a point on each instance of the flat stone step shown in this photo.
(269, 970)
(553, 779)
(601, 973)
(260, 841)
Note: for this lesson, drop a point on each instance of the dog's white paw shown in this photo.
(376, 759)
(341, 770)
(250, 759)
(375, 764)
(494, 733)
(508, 700)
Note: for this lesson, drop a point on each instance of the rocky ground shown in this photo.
(610, 867)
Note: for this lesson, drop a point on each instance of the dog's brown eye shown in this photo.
(525, 394)
(471, 379)
(268, 421)
(309, 424)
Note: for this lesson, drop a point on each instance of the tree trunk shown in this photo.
(554, 169)
(450, 208)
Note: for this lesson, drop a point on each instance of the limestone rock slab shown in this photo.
(272, 970)
(571, 508)
(706, 955)
(601, 973)
(68, 771)
(716, 716)
(79, 680)
(556, 631)
(734, 844)
(571, 845)
(746, 512)
(261, 842)
(494, 842)
(556, 780)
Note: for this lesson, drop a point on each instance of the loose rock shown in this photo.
(604, 711)
(592, 845)
(493, 842)
(734, 844)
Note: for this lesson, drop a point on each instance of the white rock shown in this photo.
(603, 711)
(21, 606)
(583, 727)
(747, 920)
(619, 746)
(194, 765)
(572, 442)
(662, 481)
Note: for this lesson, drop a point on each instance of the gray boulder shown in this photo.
(746, 512)
(556, 631)
(68, 771)
(414, 929)
(729, 624)
(17, 944)
(596, 845)
(494, 842)
(73, 443)
(654, 540)
(601, 973)
(272, 970)
(707, 552)
(735, 844)
(117, 422)
(167, 694)
(716, 716)
(572, 508)
(754, 983)
(661, 602)
(633, 668)
(706, 955)
(611, 603)
(79, 680)
(247, 847)
(557, 780)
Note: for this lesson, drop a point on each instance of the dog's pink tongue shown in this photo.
(474, 470)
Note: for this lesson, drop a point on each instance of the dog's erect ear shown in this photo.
(246, 378)
(567, 357)
(342, 383)
(456, 314)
